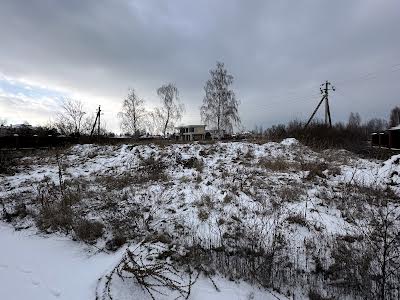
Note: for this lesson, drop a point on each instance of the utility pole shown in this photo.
(98, 124)
(327, 86)
(97, 120)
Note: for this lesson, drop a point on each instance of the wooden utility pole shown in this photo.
(96, 121)
(98, 124)
(325, 96)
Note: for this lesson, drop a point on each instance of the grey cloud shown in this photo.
(278, 51)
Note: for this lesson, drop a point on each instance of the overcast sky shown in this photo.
(279, 52)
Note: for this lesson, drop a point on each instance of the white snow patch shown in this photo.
(33, 267)
(290, 142)
(39, 268)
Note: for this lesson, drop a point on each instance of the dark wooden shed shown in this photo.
(389, 138)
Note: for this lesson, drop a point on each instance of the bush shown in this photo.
(297, 219)
(317, 135)
(278, 164)
(88, 231)
(206, 201)
(153, 169)
(193, 163)
(55, 217)
(115, 243)
(291, 193)
(314, 295)
(203, 214)
(315, 169)
(7, 163)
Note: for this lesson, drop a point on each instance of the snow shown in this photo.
(53, 266)
(289, 142)
(35, 267)
(48, 267)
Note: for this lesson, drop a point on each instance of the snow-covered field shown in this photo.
(37, 268)
(244, 218)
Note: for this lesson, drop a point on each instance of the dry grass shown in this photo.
(193, 163)
(203, 214)
(278, 164)
(55, 217)
(291, 192)
(298, 219)
(87, 230)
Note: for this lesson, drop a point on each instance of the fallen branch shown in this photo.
(152, 277)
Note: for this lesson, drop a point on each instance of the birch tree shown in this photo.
(171, 108)
(133, 114)
(220, 106)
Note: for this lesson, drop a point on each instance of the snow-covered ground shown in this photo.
(54, 267)
(268, 214)
(35, 267)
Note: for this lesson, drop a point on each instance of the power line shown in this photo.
(370, 75)
(364, 77)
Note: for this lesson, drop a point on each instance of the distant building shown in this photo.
(389, 138)
(22, 126)
(191, 133)
(394, 137)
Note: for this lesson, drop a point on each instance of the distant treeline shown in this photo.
(320, 136)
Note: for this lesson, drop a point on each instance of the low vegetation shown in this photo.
(277, 215)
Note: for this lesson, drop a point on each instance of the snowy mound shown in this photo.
(179, 206)
(391, 168)
(290, 142)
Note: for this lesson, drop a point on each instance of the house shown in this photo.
(191, 133)
(389, 138)
(394, 137)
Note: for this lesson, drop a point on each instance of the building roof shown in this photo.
(395, 128)
(184, 126)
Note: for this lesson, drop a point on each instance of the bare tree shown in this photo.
(394, 116)
(3, 122)
(220, 106)
(381, 236)
(70, 119)
(154, 124)
(354, 121)
(171, 108)
(376, 125)
(133, 114)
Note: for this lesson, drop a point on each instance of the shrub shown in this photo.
(205, 201)
(278, 164)
(228, 198)
(115, 243)
(297, 219)
(153, 169)
(87, 230)
(318, 135)
(7, 163)
(314, 295)
(193, 163)
(203, 214)
(291, 192)
(315, 169)
(55, 217)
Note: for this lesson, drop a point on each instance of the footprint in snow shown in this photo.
(35, 282)
(26, 271)
(3, 266)
(55, 292)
